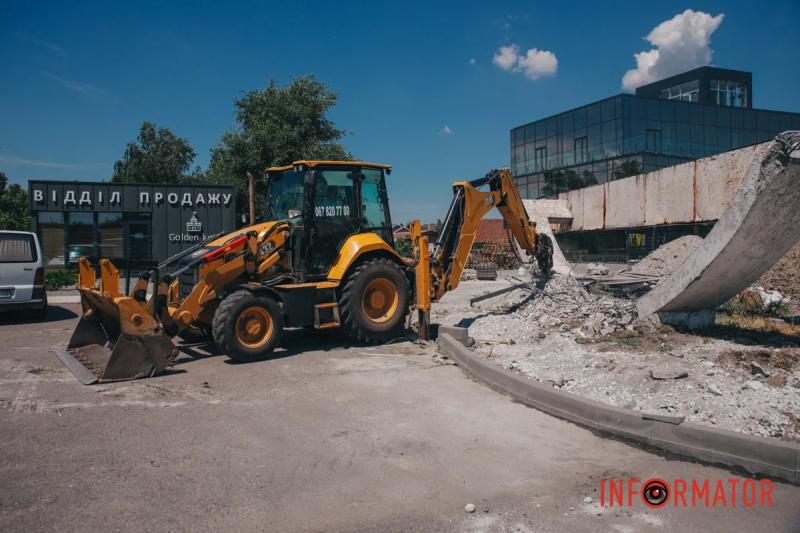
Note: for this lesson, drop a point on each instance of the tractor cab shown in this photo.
(327, 202)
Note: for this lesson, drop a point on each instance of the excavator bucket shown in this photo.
(117, 338)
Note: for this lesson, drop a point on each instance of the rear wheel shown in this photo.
(374, 301)
(247, 326)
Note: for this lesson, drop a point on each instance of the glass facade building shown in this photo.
(627, 134)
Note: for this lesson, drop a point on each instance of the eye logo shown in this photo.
(655, 493)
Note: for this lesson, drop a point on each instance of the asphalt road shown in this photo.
(325, 436)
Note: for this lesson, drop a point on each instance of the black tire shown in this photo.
(227, 329)
(356, 323)
(544, 253)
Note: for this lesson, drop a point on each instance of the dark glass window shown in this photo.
(637, 107)
(607, 110)
(541, 159)
(80, 238)
(567, 123)
(737, 118)
(653, 112)
(774, 122)
(541, 132)
(749, 119)
(609, 131)
(552, 126)
(51, 237)
(653, 140)
(762, 120)
(681, 112)
(581, 150)
(710, 139)
(682, 139)
(595, 135)
(594, 114)
(723, 116)
(696, 114)
(667, 110)
(109, 227)
(580, 118)
(518, 136)
(530, 133)
(723, 139)
(709, 115)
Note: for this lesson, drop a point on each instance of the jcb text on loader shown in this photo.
(325, 259)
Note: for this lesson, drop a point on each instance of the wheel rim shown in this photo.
(380, 300)
(254, 327)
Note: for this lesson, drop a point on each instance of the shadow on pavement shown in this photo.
(55, 313)
(294, 342)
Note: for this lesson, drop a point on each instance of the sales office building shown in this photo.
(136, 226)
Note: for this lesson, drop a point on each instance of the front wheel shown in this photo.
(247, 326)
(374, 301)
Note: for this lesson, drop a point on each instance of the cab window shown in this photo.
(372, 199)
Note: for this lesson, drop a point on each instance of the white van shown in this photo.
(22, 273)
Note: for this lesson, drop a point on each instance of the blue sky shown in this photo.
(417, 82)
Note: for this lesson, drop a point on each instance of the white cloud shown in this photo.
(506, 57)
(24, 36)
(533, 64)
(19, 162)
(16, 161)
(446, 130)
(681, 43)
(84, 88)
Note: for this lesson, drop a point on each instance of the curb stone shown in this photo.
(757, 455)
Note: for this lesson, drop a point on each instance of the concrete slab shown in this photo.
(760, 226)
(698, 191)
(538, 212)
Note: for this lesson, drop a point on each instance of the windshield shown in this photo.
(284, 194)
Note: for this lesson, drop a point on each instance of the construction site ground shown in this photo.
(324, 436)
(737, 376)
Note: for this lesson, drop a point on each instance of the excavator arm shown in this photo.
(440, 272)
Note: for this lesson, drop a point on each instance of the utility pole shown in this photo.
(251, 196)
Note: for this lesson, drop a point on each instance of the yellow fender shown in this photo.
(355, 247)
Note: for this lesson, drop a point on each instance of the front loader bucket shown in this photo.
(116, 339)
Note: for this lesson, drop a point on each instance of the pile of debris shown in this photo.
(785, 275)
(586, 342)
(649, 271)
(564, 303)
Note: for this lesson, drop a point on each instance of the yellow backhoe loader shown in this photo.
(325, 260)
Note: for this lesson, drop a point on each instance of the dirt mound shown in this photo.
(784, 276)
(665, 259)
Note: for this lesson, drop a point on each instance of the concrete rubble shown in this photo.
(588, 343)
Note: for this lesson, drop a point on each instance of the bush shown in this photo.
(404, 247)
(55, 279)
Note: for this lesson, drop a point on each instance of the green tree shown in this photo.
(404, 247)
(156, 156)
(276, 126)
(14, 211)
